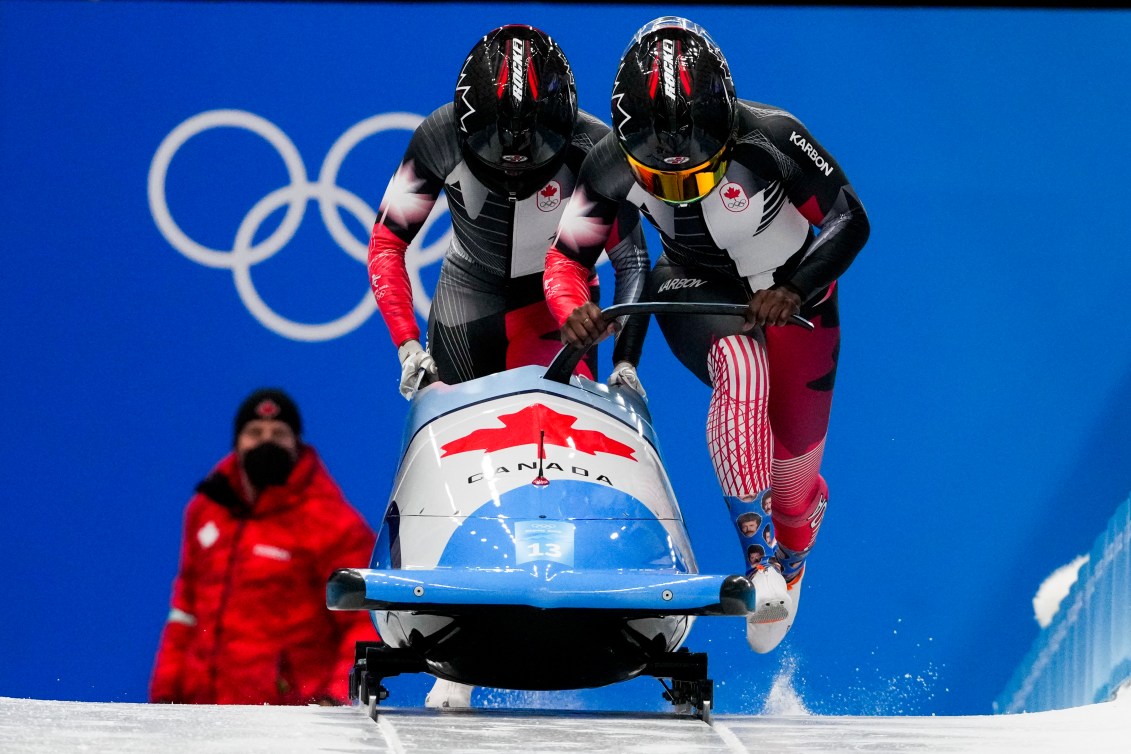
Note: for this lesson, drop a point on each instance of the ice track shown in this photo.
(48, 726)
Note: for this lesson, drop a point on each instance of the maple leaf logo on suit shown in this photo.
(550, 197)
(733, 197)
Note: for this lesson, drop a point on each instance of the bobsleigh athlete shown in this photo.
(735, 189)
(506, 152)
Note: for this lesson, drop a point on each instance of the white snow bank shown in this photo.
(1054, 589)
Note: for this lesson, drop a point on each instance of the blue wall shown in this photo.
(979, 430)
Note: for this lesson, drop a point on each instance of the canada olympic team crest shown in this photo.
(245, 252)
(550, 196)
(734, 197)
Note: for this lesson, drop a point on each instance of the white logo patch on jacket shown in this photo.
(272, 552)
(208, 534)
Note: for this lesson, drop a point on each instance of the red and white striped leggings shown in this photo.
(768, 418)
(770, 393)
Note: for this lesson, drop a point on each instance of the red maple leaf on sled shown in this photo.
(732, 192)
(525, 427)
(549, 190)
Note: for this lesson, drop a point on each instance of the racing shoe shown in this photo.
(765, 637)
(448, 695)
(773, 612)
(792, 562)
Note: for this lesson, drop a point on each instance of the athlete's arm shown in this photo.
(629, 256)
(821, 192)
(585, 230)
(409, 198)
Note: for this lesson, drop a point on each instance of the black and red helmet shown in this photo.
(675, 110)
(515, 103)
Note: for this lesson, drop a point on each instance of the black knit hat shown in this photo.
(268, 403)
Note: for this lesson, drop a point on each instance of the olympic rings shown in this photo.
(245, 254)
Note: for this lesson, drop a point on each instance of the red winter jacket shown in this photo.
(249, 623)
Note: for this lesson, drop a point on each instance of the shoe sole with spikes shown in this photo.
(764, 637)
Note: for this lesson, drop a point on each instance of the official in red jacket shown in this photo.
(249, 623)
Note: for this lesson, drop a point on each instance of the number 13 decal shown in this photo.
(541, 541)
(550, 550)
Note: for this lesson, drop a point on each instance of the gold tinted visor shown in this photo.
(681, 186)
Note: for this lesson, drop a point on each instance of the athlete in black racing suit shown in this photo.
(506, 152)
(736, 190)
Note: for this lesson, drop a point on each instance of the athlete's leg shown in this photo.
(802, 372)
(739, 438)
(691, 337)
(532, 333)
(738, 432)
(802, 367)
(734, 364)
(466, 326)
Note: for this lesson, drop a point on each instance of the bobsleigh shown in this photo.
(532, 541)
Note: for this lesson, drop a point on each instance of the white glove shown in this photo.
(624, 374)
(417, 367)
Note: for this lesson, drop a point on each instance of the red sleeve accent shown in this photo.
(565, 283)
(811, 211)
(388, 278)
(614, 236)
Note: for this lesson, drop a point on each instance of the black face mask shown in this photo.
(268, 464)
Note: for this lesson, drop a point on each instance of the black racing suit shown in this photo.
(784, 214)
(488, 312)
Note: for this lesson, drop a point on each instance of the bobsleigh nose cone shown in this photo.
(736, 596)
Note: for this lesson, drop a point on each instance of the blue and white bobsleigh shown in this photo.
(532, 541)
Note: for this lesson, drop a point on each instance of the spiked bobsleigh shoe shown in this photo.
(773, 604)
(448, 695)
(765, 636)
(774, 607)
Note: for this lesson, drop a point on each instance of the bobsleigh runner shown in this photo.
(532, 541)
